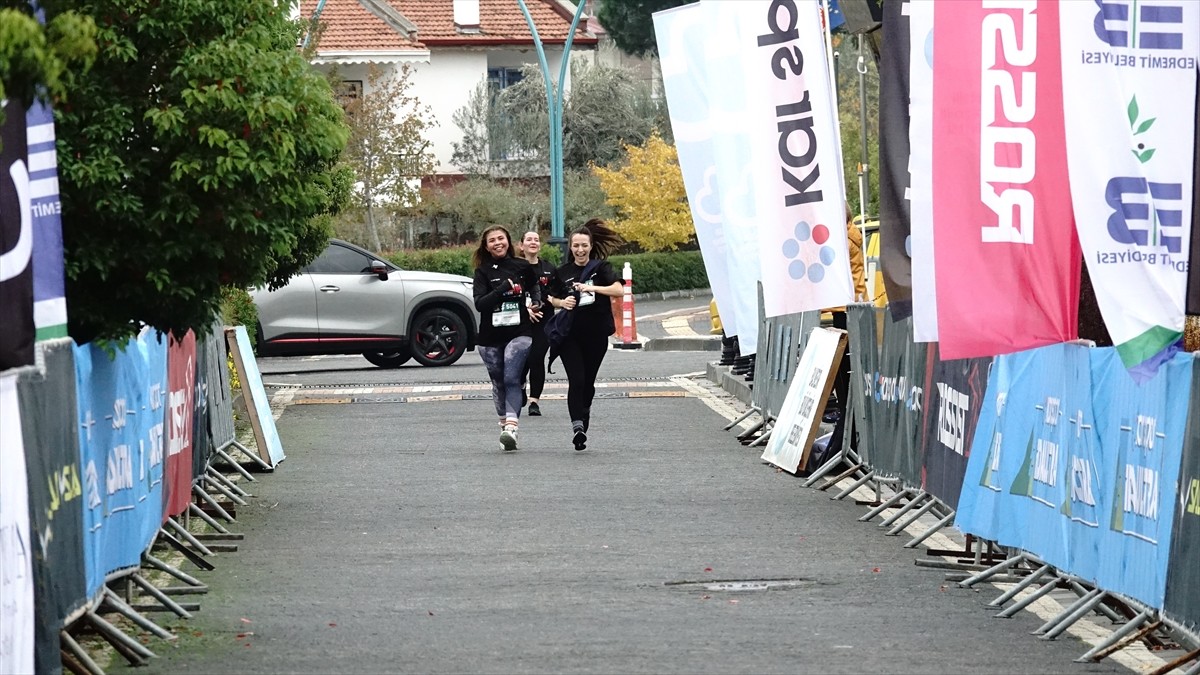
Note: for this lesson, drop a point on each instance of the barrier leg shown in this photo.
(916, 541)
(224, 480)
(153, 591)
(212, 502)
(187, 536)
(195, 558)
(223, 490)
(741, 419)
(133, 651)
(1024, 583)
(752, 430)
(236, 465)
(1175, 663)
(761, 440)
(841, 476)
(151, 561)
(212, 522)
(917, 499)
(899, 527)
(1116, 642)
(994, 569)
(1027, 600)
(854, 486)
(253, 457)
(1112, 614)
(114, 601)
(79, 653)
(885, 506)
(1070, 615)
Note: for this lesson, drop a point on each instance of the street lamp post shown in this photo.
(554, 101)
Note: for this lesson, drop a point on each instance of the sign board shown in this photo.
(800, 417)
(265, 434)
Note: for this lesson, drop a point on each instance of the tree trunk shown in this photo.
(371, 229)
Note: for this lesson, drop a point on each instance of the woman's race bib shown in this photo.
(507, 314)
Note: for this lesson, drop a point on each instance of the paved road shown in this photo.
(397, 538)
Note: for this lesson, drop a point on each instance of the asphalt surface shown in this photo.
(396, 537)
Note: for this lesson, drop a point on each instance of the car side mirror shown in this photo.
(379, 269)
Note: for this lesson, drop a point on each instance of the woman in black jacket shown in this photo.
(583, 286)
(535, 365)
(509, 301)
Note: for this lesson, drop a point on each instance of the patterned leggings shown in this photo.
(506, 366)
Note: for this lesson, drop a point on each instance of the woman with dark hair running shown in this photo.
(584, 276)
(535, 365)
(509, 301)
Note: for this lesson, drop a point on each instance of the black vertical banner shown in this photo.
(1193, 284)
(895, 262)
(898, 401)
(1183, 582)
(954, 392)
(201, 441)
(16, 242)
(49, 428)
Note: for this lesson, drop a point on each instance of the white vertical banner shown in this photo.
(16, 564)
(733, 161)
(920, 166)
(788, 116)
(1129, 88)
(683, 37)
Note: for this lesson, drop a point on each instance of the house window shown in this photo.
(503, 78)
(347, 94)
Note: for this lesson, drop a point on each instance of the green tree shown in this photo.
(506, 133)
(630, 25)
(649, 197)
(34, 58)
(850, 111)
(387, 149)
(200, 150)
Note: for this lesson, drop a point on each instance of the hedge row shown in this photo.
(652, 272)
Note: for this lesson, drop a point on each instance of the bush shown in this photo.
(237, 309)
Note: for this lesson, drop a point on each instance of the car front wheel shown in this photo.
(389, 359)
(439, 337)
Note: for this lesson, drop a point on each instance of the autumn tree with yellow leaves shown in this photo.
(649, 197)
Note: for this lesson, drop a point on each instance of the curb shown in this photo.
(667, 295)
(674, 343)
(734, 384)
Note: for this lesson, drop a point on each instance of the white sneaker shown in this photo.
(508, 438)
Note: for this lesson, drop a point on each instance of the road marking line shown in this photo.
(691, 311)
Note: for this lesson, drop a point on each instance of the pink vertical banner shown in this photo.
(1005, 250)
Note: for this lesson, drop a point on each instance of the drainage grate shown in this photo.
(741, 585)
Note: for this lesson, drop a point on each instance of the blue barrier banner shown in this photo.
(1183, 584)
(122, 404)
(1141, 429)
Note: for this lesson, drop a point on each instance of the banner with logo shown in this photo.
(896, 394)
(16, 549)
(1193, 294)
(862, 325)
(920, 166)
(682, 35)
(1002, 230)
(16, 243)
(954, 391)
(180, 420)
(895, 249)
(1129, 91)
(1183, 584)
(50, 432)
(49, 280)
(788, 122)
(121, 407)
(201, 437)
(1141, 427)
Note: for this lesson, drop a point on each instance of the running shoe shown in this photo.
(534, 410)
(579, 438)
(508, 438)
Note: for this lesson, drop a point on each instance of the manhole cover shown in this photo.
(740, 585)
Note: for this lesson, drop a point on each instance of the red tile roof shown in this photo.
(500, 22)
(350, 26)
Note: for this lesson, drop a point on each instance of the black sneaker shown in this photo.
(534, 410)
(579, 439)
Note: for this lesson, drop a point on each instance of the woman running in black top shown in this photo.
(509, 301)
(535, 365)
(583, 350)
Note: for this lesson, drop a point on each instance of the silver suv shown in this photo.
(349, 301)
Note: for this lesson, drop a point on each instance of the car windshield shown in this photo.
(339, 259)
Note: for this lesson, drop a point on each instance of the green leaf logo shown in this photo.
(1142, 153)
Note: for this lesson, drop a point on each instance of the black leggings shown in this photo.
(581, 357)
(535, 366)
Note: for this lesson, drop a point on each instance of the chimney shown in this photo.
(466, 16)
